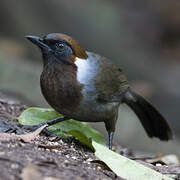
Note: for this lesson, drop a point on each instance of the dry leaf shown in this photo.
(28, 137)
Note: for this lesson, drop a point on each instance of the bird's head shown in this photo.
(59, 47)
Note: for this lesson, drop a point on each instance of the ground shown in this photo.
(51, 158)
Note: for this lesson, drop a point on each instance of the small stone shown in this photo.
(89, 159)
(14, 166)
(2, 153)
(158, 164)
(56, 143)
(55, 150)
(73, 157)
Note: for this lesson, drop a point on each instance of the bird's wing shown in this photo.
(111, 83)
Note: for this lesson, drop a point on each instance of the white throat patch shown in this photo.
(82, 69)
(87, 69)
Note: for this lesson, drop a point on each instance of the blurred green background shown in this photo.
(141, 37)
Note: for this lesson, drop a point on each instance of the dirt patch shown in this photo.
(54, 159)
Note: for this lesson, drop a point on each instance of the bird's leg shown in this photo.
(110, 127)
(49, 123)
(110, 134)
(57, 120)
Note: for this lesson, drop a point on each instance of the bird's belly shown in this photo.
(87, 110)
(91, 110)
(95, 112)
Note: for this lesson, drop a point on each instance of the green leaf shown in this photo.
(124, 167)
(81, 130)
(83, 138)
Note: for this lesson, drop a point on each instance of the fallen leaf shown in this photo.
(28, 137)
(124, 167)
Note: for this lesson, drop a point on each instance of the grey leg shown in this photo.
(49, 123)
(111, 134)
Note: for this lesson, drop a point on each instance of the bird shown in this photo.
(88, 87)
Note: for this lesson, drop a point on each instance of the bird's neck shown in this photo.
(52, 59)
(55, 66)
(47, 59)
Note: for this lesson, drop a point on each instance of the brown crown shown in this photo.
(76, 47)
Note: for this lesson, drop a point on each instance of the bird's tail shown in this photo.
(153, 122)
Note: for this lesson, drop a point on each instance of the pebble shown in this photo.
(56, 143)
(14, 166)
(55, 150)
(66, 161)
(158, 164)
(89, 159)
(2, 153)
(73, 157)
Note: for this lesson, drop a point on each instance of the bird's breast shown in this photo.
(61, 89)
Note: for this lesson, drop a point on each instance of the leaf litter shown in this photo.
(28, 137)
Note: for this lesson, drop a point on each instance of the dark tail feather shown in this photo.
(152, 121)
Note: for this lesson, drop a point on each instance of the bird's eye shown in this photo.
(59, 45)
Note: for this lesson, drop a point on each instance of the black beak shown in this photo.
(38, 41)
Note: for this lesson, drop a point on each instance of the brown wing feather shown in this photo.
(110, 82)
